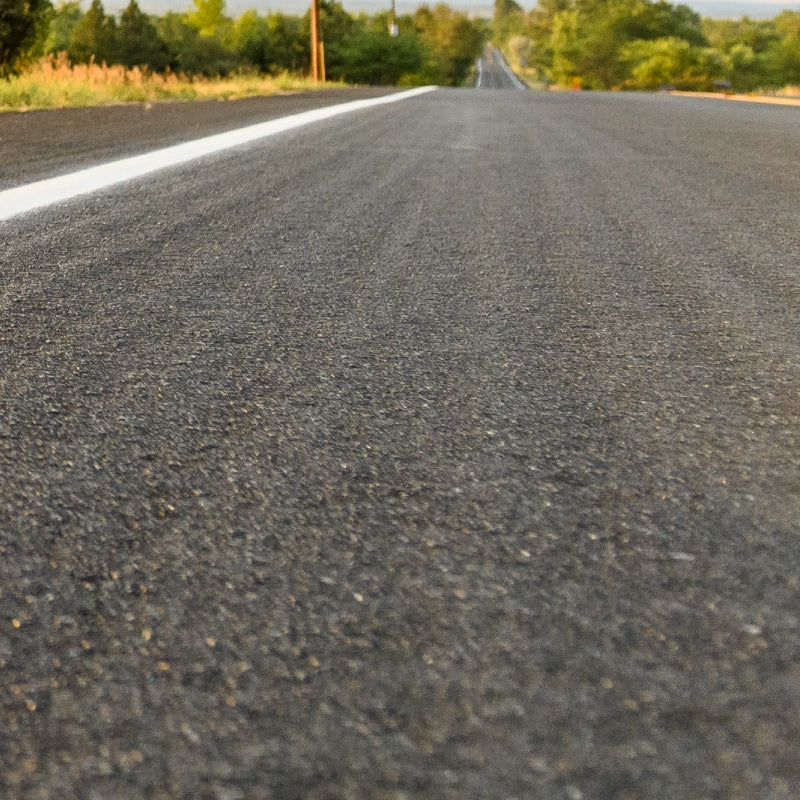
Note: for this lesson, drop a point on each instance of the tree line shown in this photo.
(434, 45)
(592, 44)
(637, 44)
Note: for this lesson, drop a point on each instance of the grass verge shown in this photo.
(55, 83)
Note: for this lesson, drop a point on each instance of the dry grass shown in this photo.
(55, 83)
(787, 91)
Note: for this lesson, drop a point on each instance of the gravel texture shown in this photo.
(41, 144)
(445, 450)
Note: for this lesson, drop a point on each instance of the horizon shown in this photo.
(717, 9)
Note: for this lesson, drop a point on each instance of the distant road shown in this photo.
(493, 72)
(447, 449)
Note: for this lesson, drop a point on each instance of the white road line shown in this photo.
(41, 194)
(518, 84)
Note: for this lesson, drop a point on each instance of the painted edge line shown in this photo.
(48, 192)
(518, 84)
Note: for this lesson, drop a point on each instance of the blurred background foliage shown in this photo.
(588, 44)
(636, 44)
(434, 45)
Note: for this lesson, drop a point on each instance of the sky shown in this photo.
(758, 9)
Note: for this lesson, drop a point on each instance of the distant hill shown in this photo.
(720, 9)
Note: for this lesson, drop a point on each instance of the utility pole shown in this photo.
(393, 29)
(317, 57)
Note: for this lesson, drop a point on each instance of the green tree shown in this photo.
(375, 57)
(249, 40)
(607, 26)
(190, 52)
(563, 48)
(138, 42)
(94, 37)
(508, 20)
(288, 43)
(581, 42)
(669, 61)
(663, 19)
(453, 41)
(61, 24)
(207, 53)
(724, 34)
(742, 70)
(753, 50)
(785, 54)
(272, 43)
(336, 27)
(19, 26)
(209, 18)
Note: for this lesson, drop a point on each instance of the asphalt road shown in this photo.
(448, 449)
(492, 72)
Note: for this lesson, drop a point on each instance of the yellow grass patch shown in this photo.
(54, 82)
(790, 96)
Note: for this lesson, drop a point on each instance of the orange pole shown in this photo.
(315, 71)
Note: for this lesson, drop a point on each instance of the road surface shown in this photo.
(492, 72)
(446, 449)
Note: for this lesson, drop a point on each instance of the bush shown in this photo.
(374, 57)
(20, 21)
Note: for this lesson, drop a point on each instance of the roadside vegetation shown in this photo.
(54, 82)
(636, 44)
(68, 56)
